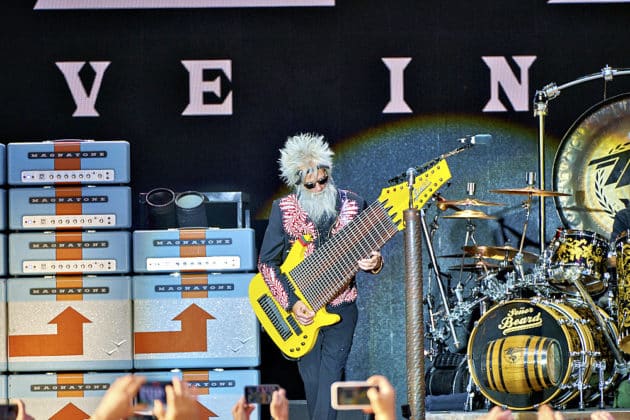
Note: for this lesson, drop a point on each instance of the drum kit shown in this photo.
(522, 329)
(557, 333)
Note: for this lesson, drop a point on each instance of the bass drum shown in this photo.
(524, 353)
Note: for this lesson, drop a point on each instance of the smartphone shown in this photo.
(147, 394)
(260, 394)
(8, 411)
(349, 395)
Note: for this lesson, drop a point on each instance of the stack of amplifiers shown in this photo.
(193, 250)
(3, 212)
(61, 199)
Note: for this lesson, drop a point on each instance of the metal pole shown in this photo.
(540, 110)
(414, 315)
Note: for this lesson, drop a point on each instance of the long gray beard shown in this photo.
(319, 206)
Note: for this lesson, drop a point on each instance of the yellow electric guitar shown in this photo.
(323, 274)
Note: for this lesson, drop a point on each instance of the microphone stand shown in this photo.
(541, 100)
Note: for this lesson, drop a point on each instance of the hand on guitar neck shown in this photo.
(374, 263)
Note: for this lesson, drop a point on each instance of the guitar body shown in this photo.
(291, 337)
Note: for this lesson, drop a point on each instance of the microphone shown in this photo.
(476, 139)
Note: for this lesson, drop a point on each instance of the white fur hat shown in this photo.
(302, 154)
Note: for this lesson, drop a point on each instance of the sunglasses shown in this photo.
(311, 185)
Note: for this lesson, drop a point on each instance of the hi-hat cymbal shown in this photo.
(469, 214)
(469, 202)
(530, 191)
(506, 253)
(478, 266)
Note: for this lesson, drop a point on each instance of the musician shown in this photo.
(621, 223)
(316, 207)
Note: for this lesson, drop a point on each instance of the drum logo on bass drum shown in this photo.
(519, 319)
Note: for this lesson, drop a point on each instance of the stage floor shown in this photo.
(297, 410)
(619, 414)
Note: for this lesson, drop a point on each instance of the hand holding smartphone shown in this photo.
(350, 395)
(147, 394)
(8, 411)
(260, 394)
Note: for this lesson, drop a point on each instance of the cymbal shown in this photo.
(530, 191)
(478, 266)
(499, 252)
(461, 255)
(469, 214)
(469, 202)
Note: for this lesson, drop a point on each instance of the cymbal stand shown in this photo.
(434, 336)
(438, 278)
(470, 231)
(527, 205)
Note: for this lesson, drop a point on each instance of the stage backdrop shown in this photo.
(206, 92)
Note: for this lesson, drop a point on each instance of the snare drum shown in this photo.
(524, 353)
(580, 250)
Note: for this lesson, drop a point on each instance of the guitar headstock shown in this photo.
(395, 199)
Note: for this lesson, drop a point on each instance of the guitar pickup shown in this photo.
(293, 323)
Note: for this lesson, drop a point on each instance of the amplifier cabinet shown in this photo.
(67, 323)
(217, 390)
(3, 325)
(3, 254)
(3, 164)
(61, 395)
(175, 250)
(194, 321)
(3, 209)
(81, 252)
(70, 208)
(68, 162)
(4, 386)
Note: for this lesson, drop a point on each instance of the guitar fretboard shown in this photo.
(323, 274)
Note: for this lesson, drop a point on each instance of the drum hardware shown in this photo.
(470, 226)
(579, 252)
(504, 253)
(469, 214)
(530, 191)
(601, 369)
(475, 267)
(469, 202)
(443, 204)
(622, 249)
(580, 383)
(575, 279)
(437, 272)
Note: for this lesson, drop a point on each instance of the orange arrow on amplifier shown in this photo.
(204, 413)
(70, 412)
(192, 337)
(67, 342)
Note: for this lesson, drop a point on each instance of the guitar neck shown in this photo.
(323, 274)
